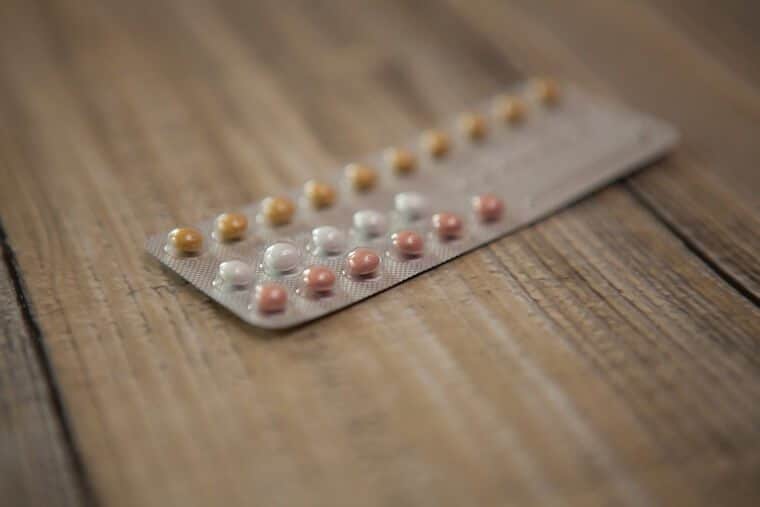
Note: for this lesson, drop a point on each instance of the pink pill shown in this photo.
(488, 207)
(362, 262)
(271, 297)
(447, 225)
(319, 278)
(408, 243)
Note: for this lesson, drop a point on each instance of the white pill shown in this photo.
(328, 239)
(281, 258)
(236, 273)
(370, 222)
(410, 205)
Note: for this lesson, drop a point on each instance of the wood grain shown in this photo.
(709, 193)
(36, 466)
(609, 355)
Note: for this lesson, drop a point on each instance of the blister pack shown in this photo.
(509, 161)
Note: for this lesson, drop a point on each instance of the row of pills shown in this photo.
(317, 280)
(283, 259)
(233, 226)
(278, 211)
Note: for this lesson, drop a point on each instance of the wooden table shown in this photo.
(609, 355)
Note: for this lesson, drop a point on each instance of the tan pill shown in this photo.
(361, 177)
(362, 262)
(401, 161)
(186, 240)
(320, 195)
(319, 278)
(509, 109)
(546, 91)
(488, 207)
(408, 243)
(473, 126)
(231, 226)
(278, 210)
(447, 225)
(436, 143)
(271, 298)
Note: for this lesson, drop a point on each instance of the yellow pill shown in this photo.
(278, 210)
(186, 240)
(361, 177)
(231, 226)
(473, 125)
(400, 160)
(320, 195)
(436, 143)
(509, 109)
(546, 91)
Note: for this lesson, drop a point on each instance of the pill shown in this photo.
(320, 195)
(281, 257)
(231, 226)
(410, 205)
(319, 278)
(509, 109)
(488, 207)
(186, 240)
(473, 125)
(362, 262)
(401, 161)
(236, 273)
(271, 297)
(435, 143)
(408, 243)
(447, 225)
(278, 210)
(370, 223)
(361, 177)
(546, 91)
(328, 240)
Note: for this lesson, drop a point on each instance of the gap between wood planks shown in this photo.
(55, 399)
(690, 245)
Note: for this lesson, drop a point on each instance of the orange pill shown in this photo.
(361, 177)
(319, 278)
(509, 109)
(231, 226)
(436, 143)
(278, 210)
(362, 262)
(408, 243)
(473, 125)
(447, 225)
(488, 207)
(271, 297)
(186, 240)
(320, 195)
(401, 161)
(546, 91)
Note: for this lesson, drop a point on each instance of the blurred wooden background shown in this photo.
(607, 356)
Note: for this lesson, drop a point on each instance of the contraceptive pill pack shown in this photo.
(511, 160)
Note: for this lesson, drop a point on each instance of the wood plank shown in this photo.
(36, 466)
(708, 193)
(725, 31)
(592, 359)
